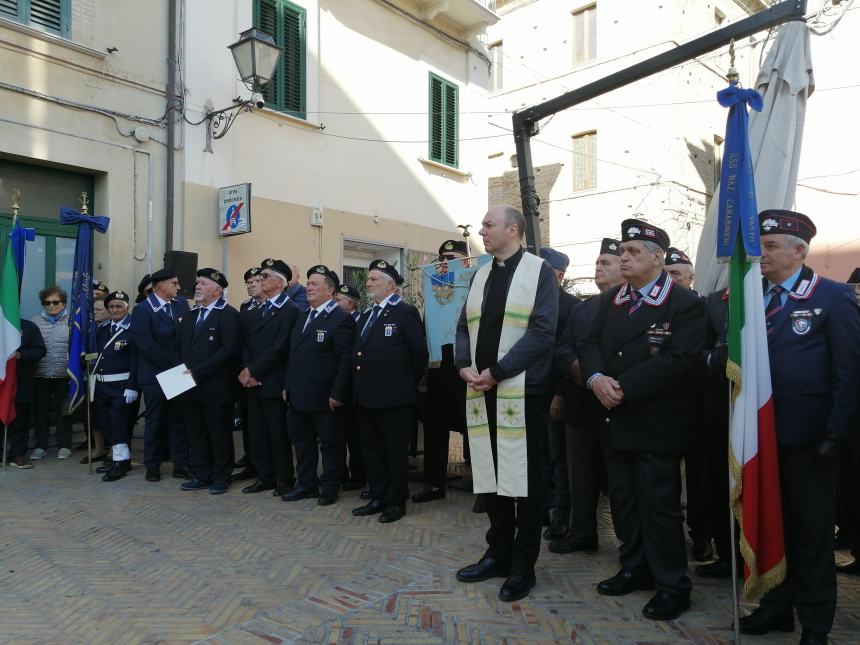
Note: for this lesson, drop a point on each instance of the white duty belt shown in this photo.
(110, 378)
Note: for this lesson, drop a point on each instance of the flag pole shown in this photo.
(733, 77)
(16, 205)
(736, 607)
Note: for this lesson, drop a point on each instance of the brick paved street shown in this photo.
(135, 562)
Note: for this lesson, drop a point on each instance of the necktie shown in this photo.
(201, 317)
(773, 307)
(265, 309)
(169, 310)
(112, 329)
(373, 316)
(311, 317)
(635, 301)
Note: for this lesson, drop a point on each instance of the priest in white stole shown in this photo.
(504, 351)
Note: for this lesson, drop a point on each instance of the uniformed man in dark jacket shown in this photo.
(558, 493)
(318, 385)
(445, 403)
(641, 351)
(116, 388)
(389, 357)
(354, 476)
(812, 327)
(210, 343)
(265, 349)
(255, 298)
(30, 352)
(585, 469)
(155, 332)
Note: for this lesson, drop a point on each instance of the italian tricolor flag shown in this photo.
(10, 335)
(753, 460)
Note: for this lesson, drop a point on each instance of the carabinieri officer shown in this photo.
(115, 378)
(209, 345)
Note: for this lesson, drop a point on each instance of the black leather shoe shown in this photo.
(182, 473)
(258, 487)
(247, 473)
(761, 622)
(516, 586)
(295, 494)
(392, 513)
(100, 457)
(557, 530)
(428, 494)
(353, 484)
(480, 505)
(702, 551)
(716, 569)
(117, 471)
(666, 606)
(571, 545)
(625, 582)
(812, 638)
(153, 475)
(852, 567)
(484, 569)
(106, 466)
(365, 494)
(326, 499)
(372, 508)
(280, 489)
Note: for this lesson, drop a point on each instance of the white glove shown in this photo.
(130, 396)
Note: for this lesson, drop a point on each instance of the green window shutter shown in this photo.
(48, 14)
(285, 22)
(9, 8)
(267, 21)
(444, 131)
(437, 91)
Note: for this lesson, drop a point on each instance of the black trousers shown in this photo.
(515, 523)
(586, 475)
(808, 491)
(114, 416)
(48, 397)
(715, 438)
(695, 469)
(559, 500)
(19, 431)
(385, 435)
(354, 462)
(210, 439)
(163, 427)
(645, 497)
(312, 434)
(445, 411)
(271, 451)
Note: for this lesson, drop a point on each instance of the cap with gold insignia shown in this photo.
(636, 229)
(250, 273)
(323, 270)
(453, 246)
(214, 275)
(98, 285)
(161, 275)
(676, 256)
(349, 291)
(388, 269)
(783, 222)
(611, 246)
(117, 295)
(278, 266)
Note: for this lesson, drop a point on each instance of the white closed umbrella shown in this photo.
(785, 81)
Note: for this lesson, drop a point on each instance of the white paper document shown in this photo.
(175, 381)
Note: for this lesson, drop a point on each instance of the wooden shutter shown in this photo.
(267, 22)
(437, 91)
(47, 14)
(450, 124)
(293, 60)
(9, 8)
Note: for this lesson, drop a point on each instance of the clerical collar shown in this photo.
(512, 261)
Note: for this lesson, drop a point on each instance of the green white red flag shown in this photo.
(10, 335)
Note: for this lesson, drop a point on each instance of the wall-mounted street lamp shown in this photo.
(256, 56)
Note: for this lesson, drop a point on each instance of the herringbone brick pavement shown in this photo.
(82, 561)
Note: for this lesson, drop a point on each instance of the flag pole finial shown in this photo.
(16, 203)
(732, 75)
(85, 200)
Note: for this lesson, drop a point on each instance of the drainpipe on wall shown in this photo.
(171, 134)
